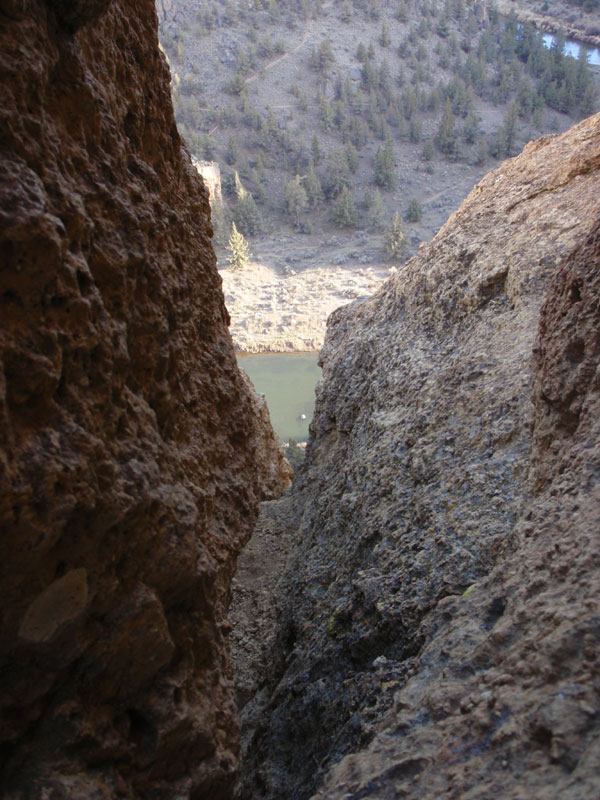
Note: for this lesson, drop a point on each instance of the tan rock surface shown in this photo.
(131, 457)
(438, 634)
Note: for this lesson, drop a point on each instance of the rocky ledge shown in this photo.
(438, 630)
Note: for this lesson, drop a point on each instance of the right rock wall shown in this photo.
(440, 610)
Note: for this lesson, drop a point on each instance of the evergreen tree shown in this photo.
(220, 224)
(470, 130)
(316, 150)
(326, 117)
(258, 181)
(446, 133)
(231, 152)
(509, 129)
(312, 185)
(375, 211)
(239, 252)
(237, 84)
(351, 157)
(482, 151)
(414, 212)
(245, 214)
(322, 58)
(296, 199)
(588, 101)
(415, 130)
(338, 174)
(384, 37)
(344, 213)
(402, 12)
(395, 240)
(428, 151)
(384, 166)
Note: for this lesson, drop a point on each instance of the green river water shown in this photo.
(288, 382)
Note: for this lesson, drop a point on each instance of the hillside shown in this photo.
(298, 73)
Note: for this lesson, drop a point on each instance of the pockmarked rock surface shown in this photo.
(132, 453)
(440, 608)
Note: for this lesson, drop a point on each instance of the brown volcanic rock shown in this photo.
(439, 633)
(129, 440)
(505, 698)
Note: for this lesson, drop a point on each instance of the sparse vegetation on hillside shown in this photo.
(428, 84)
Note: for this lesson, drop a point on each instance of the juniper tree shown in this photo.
(428, 152)
(446, 134)
(351, 157)
(322, 58)
(384, 166)
(245, 213)
(313, 188)
(296, 199)
(231, 152)
(338, 173)
(315, 149)
(482, 151)
(395, 240)
(344, 213)
(510, 128)
(414, 211)
(375, 211)
(384, 37)
(239, 252)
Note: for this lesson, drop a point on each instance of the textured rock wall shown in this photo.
(131, 456)
(439, 612)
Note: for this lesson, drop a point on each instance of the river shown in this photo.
(572, 48)
(288, 382)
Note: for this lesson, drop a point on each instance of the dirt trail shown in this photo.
(275, 61)
(271, 64)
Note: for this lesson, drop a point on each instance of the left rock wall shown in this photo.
(128, 439)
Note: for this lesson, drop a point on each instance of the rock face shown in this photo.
(132, 459)
(440, 610)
